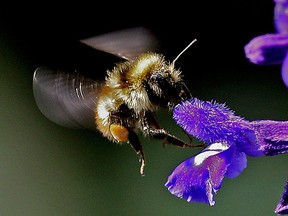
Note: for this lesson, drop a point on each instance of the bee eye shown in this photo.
(161, 78)
(156, 83)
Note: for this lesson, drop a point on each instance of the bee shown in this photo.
(122, 103)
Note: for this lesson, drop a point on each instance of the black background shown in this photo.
(48, 33)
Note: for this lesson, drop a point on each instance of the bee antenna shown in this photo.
(183, 51)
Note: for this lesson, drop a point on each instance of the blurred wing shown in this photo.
(127, 44)
(67, 99)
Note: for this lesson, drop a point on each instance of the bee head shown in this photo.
(166, 87)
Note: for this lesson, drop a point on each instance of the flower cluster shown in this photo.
(272, 48)
(229, 139)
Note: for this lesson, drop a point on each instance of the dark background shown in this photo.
(49, 170)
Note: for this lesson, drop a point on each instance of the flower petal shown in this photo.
(271, 136)
(237, 165)
(267, 49)
(208, 121)
(284, 70)
(281, 16)
(200, 177)
(213, 122)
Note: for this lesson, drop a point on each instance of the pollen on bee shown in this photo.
(119, 132)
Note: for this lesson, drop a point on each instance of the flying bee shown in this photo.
(125, 101)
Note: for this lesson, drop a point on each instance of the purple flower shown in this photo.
(272, 48)
(282, 207)
(200, 177)
(267, 49)
(281, 16)
(229, 139)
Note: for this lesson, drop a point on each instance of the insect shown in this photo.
(126, 101)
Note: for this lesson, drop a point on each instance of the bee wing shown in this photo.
(127, 44)
(67, 99)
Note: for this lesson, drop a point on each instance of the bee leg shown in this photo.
(120, 127)
(153, 129)
(190, 137)
(136, 145)
(160, 133)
